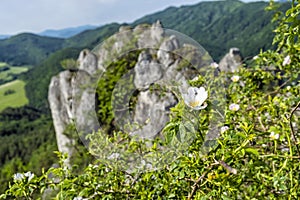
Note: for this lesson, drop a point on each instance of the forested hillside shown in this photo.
(28, 49)
(28, 142)
(219, 25)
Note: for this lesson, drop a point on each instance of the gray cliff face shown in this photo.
(147, 71)
(69, 104)
(88, 61)
(151, 112)
(160, 62)
(60, 100)
(232, 61)
(149, 37)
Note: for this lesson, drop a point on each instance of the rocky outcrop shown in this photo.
(69, 104)
(151, 113)
(232, 61)
(88, 61)
(147, 71)
(60, 101)
(163, 60)
(149, 37)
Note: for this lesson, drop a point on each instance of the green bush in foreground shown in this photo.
(256, 157)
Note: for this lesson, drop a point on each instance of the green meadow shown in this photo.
(12, 94)
(8, 73)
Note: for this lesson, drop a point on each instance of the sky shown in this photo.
(35, 16)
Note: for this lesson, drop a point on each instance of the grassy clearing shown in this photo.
(10, 72)
(2, 64)
(17, 96)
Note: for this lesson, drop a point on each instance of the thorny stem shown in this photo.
(291, 126)
(194, 187)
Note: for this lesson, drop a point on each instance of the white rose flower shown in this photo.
(195, 79)
(29, 175)
(264, 145)
(235, 78)
(286, 60)
(195, 98)
(224, 128)
(214, 65)
(274, 136)
(78, 198)
(234, 107)
(95, 166)
(18, 177)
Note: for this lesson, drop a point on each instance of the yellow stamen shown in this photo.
(194, 103)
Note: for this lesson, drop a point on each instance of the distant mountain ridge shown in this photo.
(66, 32)
(216, 25)
(58, 33)
(32, 49)
(4, 37)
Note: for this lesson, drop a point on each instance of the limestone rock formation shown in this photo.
(88, 61)
(163, 54)
(162, 60)
(231, 61)
(69, 104)
(60, 101)
(147, 71)
(151, 113)
(149, 37)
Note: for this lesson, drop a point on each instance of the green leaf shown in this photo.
(182, 132)
(252, 151)
(241, 135)
(181, 174)
(290, 40)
